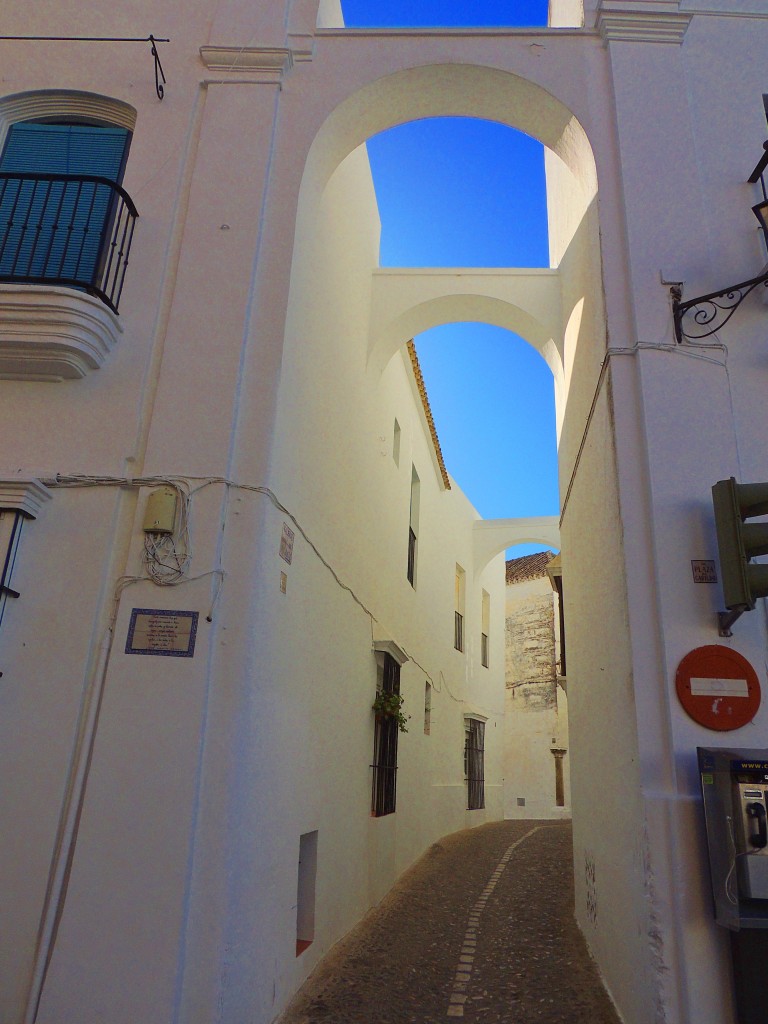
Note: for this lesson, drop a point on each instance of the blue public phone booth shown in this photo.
(734, 787)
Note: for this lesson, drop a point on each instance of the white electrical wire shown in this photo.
(729, 877)
(166, 557)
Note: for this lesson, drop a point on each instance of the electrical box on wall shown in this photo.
(160, 514)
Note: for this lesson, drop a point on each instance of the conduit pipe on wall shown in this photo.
(64, 850)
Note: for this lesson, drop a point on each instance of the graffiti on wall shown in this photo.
(591, 886)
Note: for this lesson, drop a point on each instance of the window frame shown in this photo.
(385, 744)
(474, 761)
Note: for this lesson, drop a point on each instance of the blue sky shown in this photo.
(406, 13)
(464, 192)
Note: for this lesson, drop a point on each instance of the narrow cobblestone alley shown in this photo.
(480, 929)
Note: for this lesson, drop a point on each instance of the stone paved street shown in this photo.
(481, 930)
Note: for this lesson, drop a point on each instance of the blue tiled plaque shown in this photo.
(167, 634)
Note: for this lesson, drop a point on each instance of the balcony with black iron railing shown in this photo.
(70, 231)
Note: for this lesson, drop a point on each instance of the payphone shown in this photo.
(749, 801)
(734, 785)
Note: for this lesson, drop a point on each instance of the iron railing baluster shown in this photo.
(55, 225)
(71, 230)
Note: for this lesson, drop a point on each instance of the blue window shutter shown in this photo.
(65, 149)
(56, 230)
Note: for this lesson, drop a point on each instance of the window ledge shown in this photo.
(52, 333)
(27, 496)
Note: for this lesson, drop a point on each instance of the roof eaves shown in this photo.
(428, 413)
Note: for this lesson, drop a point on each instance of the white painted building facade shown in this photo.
(536, 764)
(194, 814)
(257, 346)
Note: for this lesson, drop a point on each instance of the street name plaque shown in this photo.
(168, 634)
(703, 570)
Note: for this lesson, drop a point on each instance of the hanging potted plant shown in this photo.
(390, 705)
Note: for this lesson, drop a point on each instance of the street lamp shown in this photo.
(708, 313)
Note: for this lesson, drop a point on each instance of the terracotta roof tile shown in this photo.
(529, 567)
(428, 413)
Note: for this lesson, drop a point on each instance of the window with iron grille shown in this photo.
(474, 763)
(384, 764)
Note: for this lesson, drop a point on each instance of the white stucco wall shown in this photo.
(712, 437)
(333, 465)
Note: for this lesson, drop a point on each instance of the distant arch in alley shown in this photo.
(492, 536)
(408, 301)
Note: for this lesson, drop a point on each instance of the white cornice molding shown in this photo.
(269, 62)
(469, 712)
(387, 646)
(302, 46)
(660, 21)
(27, 496)
(247, 58)
(51, 333)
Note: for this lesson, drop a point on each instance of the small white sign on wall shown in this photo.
(286, 544)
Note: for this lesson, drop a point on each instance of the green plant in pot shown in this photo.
(390, 705)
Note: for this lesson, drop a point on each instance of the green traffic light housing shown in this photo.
(738, 542)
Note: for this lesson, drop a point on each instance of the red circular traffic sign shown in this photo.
(718, 687)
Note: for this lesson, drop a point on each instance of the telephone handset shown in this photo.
(758, 833)
(751, 806)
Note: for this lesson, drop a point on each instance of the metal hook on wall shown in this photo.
(159, 73)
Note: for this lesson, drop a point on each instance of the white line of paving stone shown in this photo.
(467, 956)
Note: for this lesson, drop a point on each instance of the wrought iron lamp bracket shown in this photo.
(714, 310)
